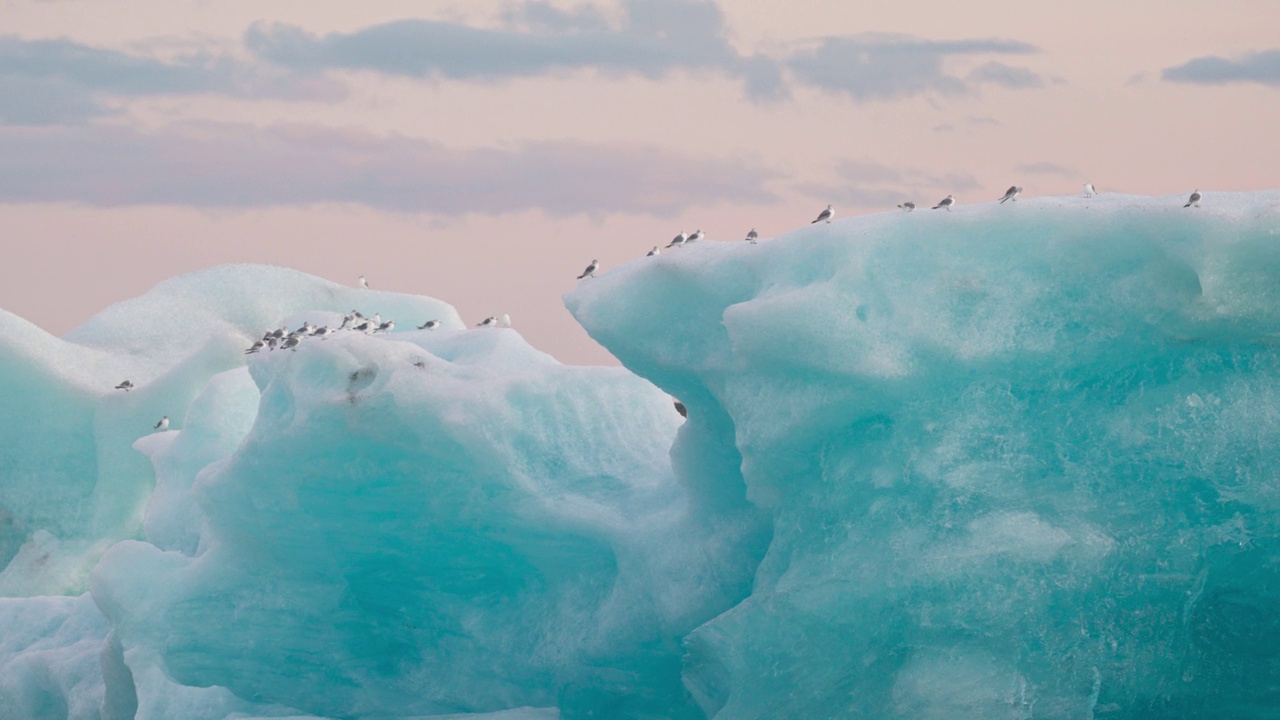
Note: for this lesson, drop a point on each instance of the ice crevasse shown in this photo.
(1013, 461)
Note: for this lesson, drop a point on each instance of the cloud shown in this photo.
(237, 166)
(655, 37)
(1014, 78)
(869, 184)
(882, 67)
(1046, 168)
(1256, 67)
(46, 82)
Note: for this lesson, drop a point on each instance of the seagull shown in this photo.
(1194, 199)
(429, 325)
(591, 270)
(364, 283)
(306, 329)
(653, 252)
(346, 322)
(277, 333)
(317, 330)
(678, 240)
(290, 343)
(504, 320)
(752, 236)
(1011, 194)
(362, 326)
(825, 215)
(163, 424)
(324, 333)
(696, 236)
(946, 202)
(377, 319)
(907, 206)
(125, 386)
(386, 327)
(255, 347)
(487, 322)
(1089, 191)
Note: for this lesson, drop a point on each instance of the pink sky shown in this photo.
(485, 157)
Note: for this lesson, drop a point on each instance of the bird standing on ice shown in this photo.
(591, 270)
(488, 322)
(255, 347)
(1089, 191)
(125, 386)
(1194, 200)
(696, 236)
(163, 424)
(678, 240)
(1011, 193)
(504, 320)
(825, 215)
(907, 206)
(364, 283)
(946, 202)
(429, 325)
(653, 252)
(753, 236)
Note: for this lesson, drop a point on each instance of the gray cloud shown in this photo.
(881, 67)
(655, 37)
(869, 184)
(45, 82)
(1257, 67)
(237, 166)
(1014, 78)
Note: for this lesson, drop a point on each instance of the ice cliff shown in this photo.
(1013, 461)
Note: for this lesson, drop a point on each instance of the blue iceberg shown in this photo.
(1014, 461)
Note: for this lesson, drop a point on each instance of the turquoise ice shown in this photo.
(1013, 461)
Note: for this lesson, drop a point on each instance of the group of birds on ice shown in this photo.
(284, 339)
(829, 213)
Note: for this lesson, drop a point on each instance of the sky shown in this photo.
(484, 152)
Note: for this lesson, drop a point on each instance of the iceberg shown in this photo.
(1009, 461)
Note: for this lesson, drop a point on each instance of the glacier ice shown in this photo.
(1013, 461)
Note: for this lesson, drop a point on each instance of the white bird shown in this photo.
(306, 329)
(591, 270)
(362, 326)
(163, 424)
(364, 283)
(377, 319)
(429, 325)
(946, 202)
(696, 236)
(386, 327)
(487, 322)
(678, 240)
(1011, 194)
(324, 333)
(907, 206)
(290, 343)
(825, 215)
(255, 347)
(1089, 191)
(1194, 200)
(752, 236)
(653, 252)
(504, 320)
(125, 386)
(346, 322)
